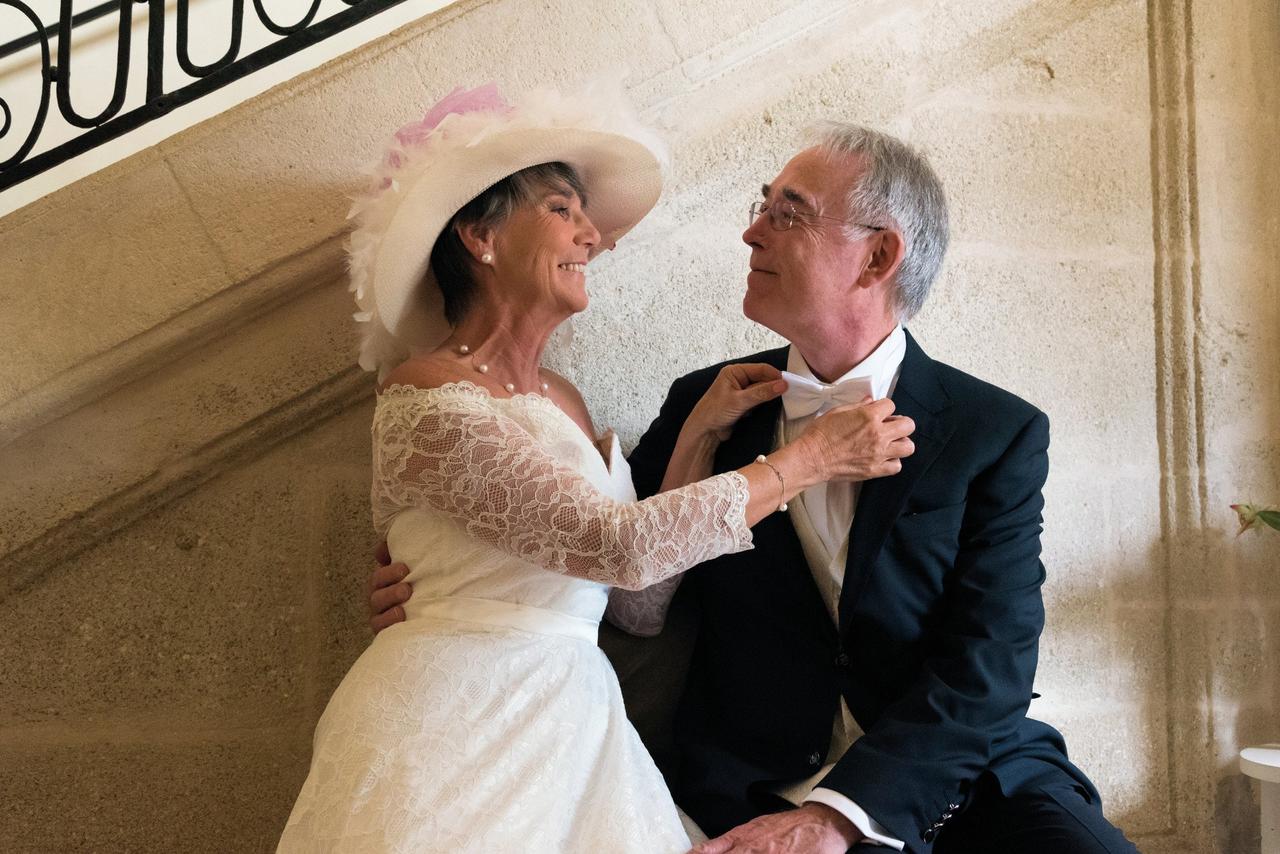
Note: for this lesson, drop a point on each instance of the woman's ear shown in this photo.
(478, 240)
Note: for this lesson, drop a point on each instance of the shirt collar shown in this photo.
(881, 367)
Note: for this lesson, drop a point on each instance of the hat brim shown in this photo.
(622, 177)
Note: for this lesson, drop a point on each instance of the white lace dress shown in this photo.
(489, 720)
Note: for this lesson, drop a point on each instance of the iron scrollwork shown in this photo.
(46, 83)
(110, 123)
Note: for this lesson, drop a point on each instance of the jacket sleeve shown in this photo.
(911, 767)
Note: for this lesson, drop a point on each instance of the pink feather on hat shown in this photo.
(482, 99)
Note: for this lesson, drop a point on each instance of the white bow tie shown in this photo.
(805, 396)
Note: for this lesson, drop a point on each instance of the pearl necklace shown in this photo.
(464, 350)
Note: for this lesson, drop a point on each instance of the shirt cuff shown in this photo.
(870, 828)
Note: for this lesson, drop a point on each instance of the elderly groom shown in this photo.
(871, 659)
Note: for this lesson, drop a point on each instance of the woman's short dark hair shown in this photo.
(450, 260)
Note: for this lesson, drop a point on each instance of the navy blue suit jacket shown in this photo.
(939, 620)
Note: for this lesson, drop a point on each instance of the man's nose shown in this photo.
(755, 233)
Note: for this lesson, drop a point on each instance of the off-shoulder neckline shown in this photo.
(466, 386)
(459, 385)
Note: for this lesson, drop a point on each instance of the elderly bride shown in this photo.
(489, 720)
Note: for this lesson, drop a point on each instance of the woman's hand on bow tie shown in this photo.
(737, 390)
(858, 441)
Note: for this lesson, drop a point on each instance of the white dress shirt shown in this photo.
(822, 516)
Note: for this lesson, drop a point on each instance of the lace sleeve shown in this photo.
(642, 612)
(457, 454)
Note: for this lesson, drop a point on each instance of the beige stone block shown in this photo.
(274, 176)
(952, 28)
(197, 608)
(1238, 404)
(1105, 634)
(1097, 652)
(1241, 655)
(345, 558)
(738, 129)
(148, 429)
(89, 270)
(215, 605)
(1167, 843)
(531, 45)
(340, 447)
(104, 798)
(1196, 760)
(1257, 562)
(1069, 671)
(1195, 578)
(695, 27)
(1236, 189)
(1255, 719)
(1085, 59)
(1140, 649)
(1239, 413)
(1103, 529)
(747, 99)
(1238, 47)
(1072, 336)
(1235, 714)
(1040, 183)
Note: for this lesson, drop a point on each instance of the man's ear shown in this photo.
(888, 248)
(478, 239)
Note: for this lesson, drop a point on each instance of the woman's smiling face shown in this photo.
(540, 252)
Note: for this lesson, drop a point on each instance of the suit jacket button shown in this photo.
(953, 806)
(842, 659)
(928, 835)
(815, 758)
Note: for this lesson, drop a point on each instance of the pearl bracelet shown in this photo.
(782, 505)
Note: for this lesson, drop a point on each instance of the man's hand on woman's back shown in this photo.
(388, 591)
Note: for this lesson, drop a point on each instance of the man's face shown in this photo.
(805, 277)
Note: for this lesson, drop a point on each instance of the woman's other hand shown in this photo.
(738, 389)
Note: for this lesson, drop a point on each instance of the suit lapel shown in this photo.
(919, 395)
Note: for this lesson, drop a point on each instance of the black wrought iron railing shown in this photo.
(55, 78)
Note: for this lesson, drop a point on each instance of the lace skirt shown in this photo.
(452, 737)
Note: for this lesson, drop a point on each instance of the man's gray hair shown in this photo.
(898, 188)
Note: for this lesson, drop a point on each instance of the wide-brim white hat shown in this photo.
(464, 145)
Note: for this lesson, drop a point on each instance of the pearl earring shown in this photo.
(486, 258)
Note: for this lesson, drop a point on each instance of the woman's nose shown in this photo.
(601, 247)
(587, 234)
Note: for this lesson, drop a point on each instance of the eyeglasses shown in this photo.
(784, 214)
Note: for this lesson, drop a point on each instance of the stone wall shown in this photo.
(183, 439)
